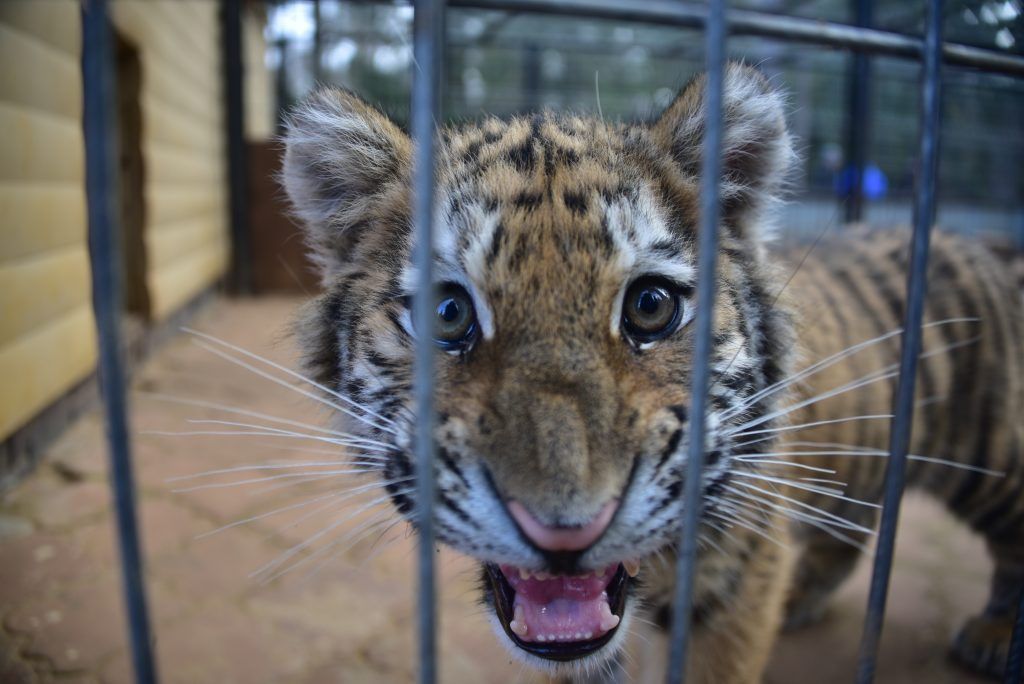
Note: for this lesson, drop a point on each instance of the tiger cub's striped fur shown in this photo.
(970, 409)
(566, 259)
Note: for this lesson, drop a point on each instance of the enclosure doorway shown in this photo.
(131, 178)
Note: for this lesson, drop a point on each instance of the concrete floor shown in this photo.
(344, 610)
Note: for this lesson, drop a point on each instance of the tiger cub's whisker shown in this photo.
(315, 475)
(259, 433)
(270, 466)
(835, 358)
(289, 372)
(242, 412)
(802, 426)
(306, 393)
(345, 439)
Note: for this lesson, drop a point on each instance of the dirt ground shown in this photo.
(342, 611)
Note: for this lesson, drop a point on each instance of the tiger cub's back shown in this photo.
(969, 406)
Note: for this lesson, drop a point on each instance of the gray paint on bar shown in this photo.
(1015, 659)
(428, 37)
(751, 23)
(917, 285)
(711, 171)
(98, 126)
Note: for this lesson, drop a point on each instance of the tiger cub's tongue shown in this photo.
(561, 607)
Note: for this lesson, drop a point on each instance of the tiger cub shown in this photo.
(566, 270)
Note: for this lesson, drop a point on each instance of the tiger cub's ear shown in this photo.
(757, 150)
(342, 156)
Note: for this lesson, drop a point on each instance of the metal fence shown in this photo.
(429, 40)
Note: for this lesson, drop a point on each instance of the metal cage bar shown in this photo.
(917, 286)
(1015, 660)
(105, 255)
(232, 66)
(711, 170)
(750, 23)
(428, 41)
(857, 121)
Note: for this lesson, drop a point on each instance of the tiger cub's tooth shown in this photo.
(632, 567)
(518, 624)
(524, 574)
(609, 619)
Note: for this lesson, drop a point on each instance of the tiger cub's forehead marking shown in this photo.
(644, 244)
(555, 179)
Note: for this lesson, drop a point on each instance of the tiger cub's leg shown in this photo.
(983, 642)
(825, 562)
(994, 507)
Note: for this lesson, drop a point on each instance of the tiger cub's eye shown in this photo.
(650, 310)
(455, 326)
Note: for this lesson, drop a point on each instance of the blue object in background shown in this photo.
(874, 184)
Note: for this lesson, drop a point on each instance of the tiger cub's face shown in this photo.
(566, 251)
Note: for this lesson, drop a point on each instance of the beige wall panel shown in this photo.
(174, 285)
(169, 243)
(183, 145)
(38, 368)
(39, 147)
(56, 22)
(166, 164)
(161, 40)
(38, 290)
(37, 217)
(165, 82)
(260, 117)
(39, 75)
(211, 158)
(47, 337)
(173, 203)
(164, 123)
(198, 26)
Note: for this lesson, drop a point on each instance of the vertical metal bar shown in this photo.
(104, 249)
(318, 44)
(858, 119)
(281, 84)
(234, 131)
(1015, 660)
(711, 167)
(531, 76)
(903, 405)
(428, 37)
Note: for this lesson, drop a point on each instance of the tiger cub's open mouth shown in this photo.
(559, 617)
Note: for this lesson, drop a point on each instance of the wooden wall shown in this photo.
(47, 334)
(260, 103)
(186, 231)
(47, 337)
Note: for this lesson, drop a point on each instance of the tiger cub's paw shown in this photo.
(984, 643)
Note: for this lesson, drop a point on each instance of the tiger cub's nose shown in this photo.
(575, 538)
